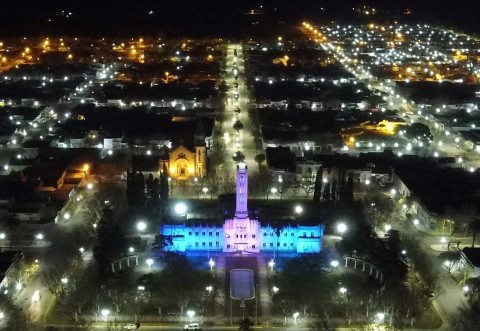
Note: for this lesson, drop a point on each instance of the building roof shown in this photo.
(473, 255)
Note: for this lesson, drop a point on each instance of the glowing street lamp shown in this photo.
(271, 264)
(131, 249)
(149, 263)
(275, 289)
(334, 263)
(443, 240)
(342, 228)
(64, 280)
(39, 236)
(388, 227)
(295, 315)
(89, 186)
(298, 209)
(342, 290)
(209, 288)
(105, 313)
(190, 314)
(2, 236)
(211, 263)
(141, 226)
(380, 317)
(180, 209)
(81, 249)
(205, 190)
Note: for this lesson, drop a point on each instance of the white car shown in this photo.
(192, 326)
(131, 326)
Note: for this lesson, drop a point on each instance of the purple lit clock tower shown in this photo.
(241, 233)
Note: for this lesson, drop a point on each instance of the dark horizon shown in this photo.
(215, 17)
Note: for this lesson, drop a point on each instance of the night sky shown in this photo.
(213, 17)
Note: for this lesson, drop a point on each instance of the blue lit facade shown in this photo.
(242, 233)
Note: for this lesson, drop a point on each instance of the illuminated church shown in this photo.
(242, 234)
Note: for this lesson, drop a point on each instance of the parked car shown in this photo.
(192, 326)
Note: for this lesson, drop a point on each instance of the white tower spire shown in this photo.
(241, 210)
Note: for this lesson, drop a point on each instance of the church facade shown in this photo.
(242, 234)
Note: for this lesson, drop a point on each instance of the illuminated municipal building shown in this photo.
(242, 234)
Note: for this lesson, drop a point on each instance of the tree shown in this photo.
(12, 222)
(161, 242)
(238, 157)
(278, 227)
(246, 324)
(164, 189)
(260, 158)
(317, 194)
(110, 241)
(237, 126)
(474, 226)
(467, 317)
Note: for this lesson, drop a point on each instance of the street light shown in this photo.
(342, 228)
(2, 236)
(149, 263)
(180, 209)
(388, 227)
(271, 264)
(381, 317)
(39, 236)
(334, 263)
(466, 289)
(298, 209)
(105, 313)
(343, 290)
(275, 289)
(211, 263)
(66, 216)
(141, 226)
(209, 288)
(295, 315)
(89, 186)
(443, 240)
(205, 190)
(416, 221)
(131, 249)
(190, 314)
(81, 249)
(64, 280)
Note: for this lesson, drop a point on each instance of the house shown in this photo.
(27, 211)
(470, 261)
(10, 264)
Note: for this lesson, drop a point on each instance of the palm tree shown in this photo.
(246, 324)
(474, 226)
(278, 227)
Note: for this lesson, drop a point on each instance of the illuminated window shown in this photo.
(253, 236)
(190, 233)
(271, 244)
(217, 244)
(203, 233)
(264, 245)
(284, 244)
(196, 233)
(217, 234)
(253, 246)
(210, 244)
(311, 234)
(203, 244)
(228, 246)
(293, 234)
(210, 234)
(196, 244)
